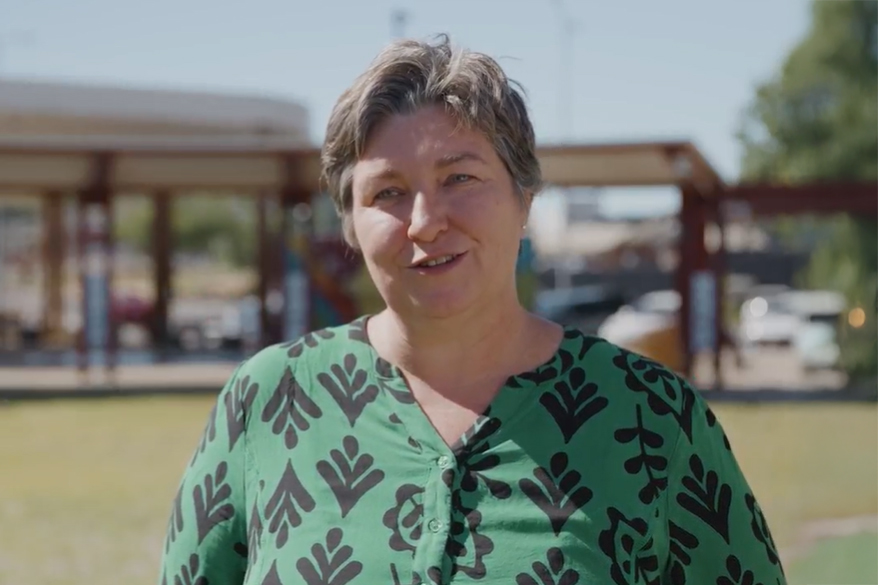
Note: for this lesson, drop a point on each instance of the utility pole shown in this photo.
(6, 39)
(399, 17)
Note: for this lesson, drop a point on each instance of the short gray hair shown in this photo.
(410, 74)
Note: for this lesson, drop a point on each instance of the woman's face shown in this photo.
(436, 216)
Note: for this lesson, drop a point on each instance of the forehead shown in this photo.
(427, 136)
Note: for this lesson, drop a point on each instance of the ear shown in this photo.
(527, 201)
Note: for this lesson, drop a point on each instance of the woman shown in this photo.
(454, 437)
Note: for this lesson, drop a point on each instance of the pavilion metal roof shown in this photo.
(259, 163)
(25, 104)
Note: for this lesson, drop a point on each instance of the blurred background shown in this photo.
(712, 205)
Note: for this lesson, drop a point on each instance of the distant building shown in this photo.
(42, 109)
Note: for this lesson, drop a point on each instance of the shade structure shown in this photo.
(243, 163)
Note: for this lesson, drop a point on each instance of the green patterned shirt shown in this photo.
(317, 467)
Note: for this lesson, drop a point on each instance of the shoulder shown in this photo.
(602, 362)
(307, 351)
(614, 366)
(629, 384)
(279, 372)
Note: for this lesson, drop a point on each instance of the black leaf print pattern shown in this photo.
(350, 476)
(573, 402)
(466, 547)
(188, 574)
(629, 565)
(394, 419)
(551, 572)
(706, 498)
(416, 578)
(331, 564)
(176, 522)
(557, 491)
(760, 529)
(406, 518)
(586, 342)
(287, 407)
(682, 543)
(281, 512)
(667, 393)
(272, 577)
(349, 387)
(435, 575)
(254, 536)
(357, 331)
(386, 372)
(712, 423)
(736, 575)
(394, 576)
(652, 465)
(241, 549)
(238, 403)
(541, 375)
(296, 348)
(470, 452)
(559, 366)
(209, 497)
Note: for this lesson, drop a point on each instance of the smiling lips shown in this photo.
(434, 261)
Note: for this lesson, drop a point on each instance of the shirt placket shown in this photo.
(429, 561)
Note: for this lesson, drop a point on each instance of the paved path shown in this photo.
(52, 382)
(771, 375)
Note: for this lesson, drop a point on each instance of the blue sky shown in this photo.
(640, 70)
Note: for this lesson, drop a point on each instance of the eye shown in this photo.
(387, 194)
(459, 178)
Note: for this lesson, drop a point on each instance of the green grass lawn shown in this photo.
(849, 560)
(86, 487)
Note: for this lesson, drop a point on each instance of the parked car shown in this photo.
(583, 307)
(650, 327)
(817, 346)
(767, 320)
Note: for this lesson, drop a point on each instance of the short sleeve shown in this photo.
(718, 533)
(206, 534)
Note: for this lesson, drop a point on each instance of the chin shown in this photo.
(439, 306)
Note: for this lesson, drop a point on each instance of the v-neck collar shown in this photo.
(505, 405)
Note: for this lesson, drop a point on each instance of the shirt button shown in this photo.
(434, 525)
(443, 461)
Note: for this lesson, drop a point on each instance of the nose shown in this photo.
(429, 218)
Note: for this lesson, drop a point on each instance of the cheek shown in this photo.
(496, 220)
(380, 236)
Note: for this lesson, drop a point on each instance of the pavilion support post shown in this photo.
(161, 252)
(275, 259)
(95, 251)
(269, 262)
(693, 259)
(718, 261)
(262, 264)
(295, 235)
(54, 247)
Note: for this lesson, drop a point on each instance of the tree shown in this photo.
(222, 226)
(818, 119)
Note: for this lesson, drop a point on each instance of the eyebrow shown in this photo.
(442, 162)
(451, 159)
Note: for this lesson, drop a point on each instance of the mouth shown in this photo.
(437, 261)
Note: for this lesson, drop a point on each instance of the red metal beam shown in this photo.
(763, 199)
(54, 250)
(161, 251)
(692, 256)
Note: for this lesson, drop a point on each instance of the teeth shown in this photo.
(439, 261)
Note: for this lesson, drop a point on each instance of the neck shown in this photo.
(447, 350)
